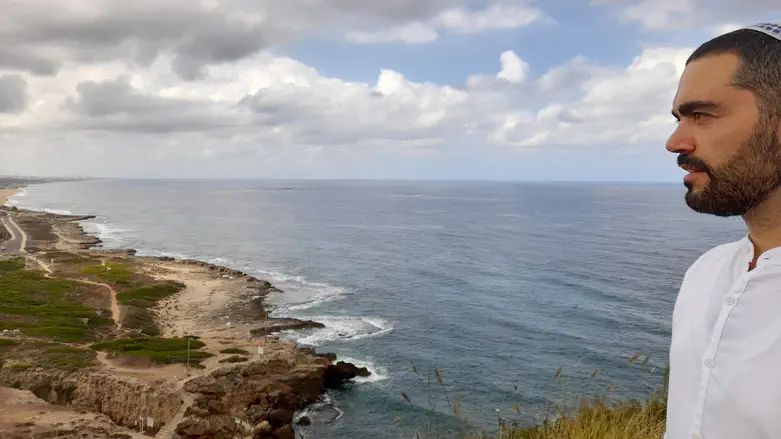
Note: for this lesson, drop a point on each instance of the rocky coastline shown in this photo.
(255, 398)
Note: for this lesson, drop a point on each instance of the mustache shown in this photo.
(694, 163)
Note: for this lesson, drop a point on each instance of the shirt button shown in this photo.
(730, 301)
(696, 436)
(708, 363)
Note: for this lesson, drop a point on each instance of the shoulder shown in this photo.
(716, 256)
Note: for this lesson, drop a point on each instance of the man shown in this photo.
(725, 354)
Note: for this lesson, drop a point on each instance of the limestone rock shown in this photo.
(285, 432)
(339, 373)
(281, 417)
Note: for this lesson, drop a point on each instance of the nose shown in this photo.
(679, 142)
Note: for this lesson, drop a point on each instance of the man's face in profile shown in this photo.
(730, 149)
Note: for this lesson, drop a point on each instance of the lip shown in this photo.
(692, 169)
(692, 176)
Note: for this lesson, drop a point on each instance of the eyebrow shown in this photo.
(687, 108)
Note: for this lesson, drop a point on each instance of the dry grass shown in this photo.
(598, 421)
(586, 418)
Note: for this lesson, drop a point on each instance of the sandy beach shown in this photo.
(5, 194)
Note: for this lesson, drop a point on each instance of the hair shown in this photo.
(759, 70)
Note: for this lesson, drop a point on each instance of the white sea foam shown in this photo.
(280, 277)
(343, 328)
(111, 235)
(378, 373)
(157, 253)
(300, 293)
(15, 202)
(14, 199)
(325, 400)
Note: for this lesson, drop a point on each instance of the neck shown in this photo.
(764, 224)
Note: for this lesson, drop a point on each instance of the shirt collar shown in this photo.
(770, 257)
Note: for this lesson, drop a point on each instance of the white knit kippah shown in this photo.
(772, 29)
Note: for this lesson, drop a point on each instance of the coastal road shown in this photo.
(18, 238)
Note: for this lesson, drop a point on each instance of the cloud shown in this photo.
(614, 105)
(117, 105)
(13, 94)
(660, 15)
(266, 104)
(181, 87)
(496, 16)
(197, 34)
(455, 20)
(514, 69)
(412, 33)
(339, 112)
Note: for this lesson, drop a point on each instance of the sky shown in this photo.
(556, 90)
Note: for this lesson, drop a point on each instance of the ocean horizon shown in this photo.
(495, 285)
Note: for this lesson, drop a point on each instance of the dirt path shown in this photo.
(112, 291)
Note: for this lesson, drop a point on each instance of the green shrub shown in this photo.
(234, 359)
(48, 356)
(114, 272)
(147, 296)
(234, 351)
(20, 366)
(159, 350)
(44, 307)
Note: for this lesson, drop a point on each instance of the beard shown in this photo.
(744, 182)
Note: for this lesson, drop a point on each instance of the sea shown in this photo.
(473, 304)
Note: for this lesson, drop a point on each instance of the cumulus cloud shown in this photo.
(196, 34)
(117, 105)
(160, 86)
(615, 105)
(268, 103)
(456, 20)
(13, 94)
(412, 33)
(514, 69)
(660, 15)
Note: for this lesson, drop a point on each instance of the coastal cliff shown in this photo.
(189, 349)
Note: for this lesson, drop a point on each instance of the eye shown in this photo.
(698, 116)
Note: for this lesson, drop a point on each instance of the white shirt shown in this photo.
(725, 354)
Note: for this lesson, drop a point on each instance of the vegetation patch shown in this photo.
(69, 259)
(38, 229)
(140, 319)
(20, 366)
(234, 359)
(159, 350)
(46, 355)
(147, 296)
(113, 272)
(4, 342)
(44, 307)
(234, 351)
(600, 420)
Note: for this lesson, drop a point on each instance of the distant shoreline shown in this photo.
(7, 193)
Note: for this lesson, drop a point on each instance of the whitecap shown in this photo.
(158, 253)
(338, 328)
(112, 235)
(378, 373)
(300, 293)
